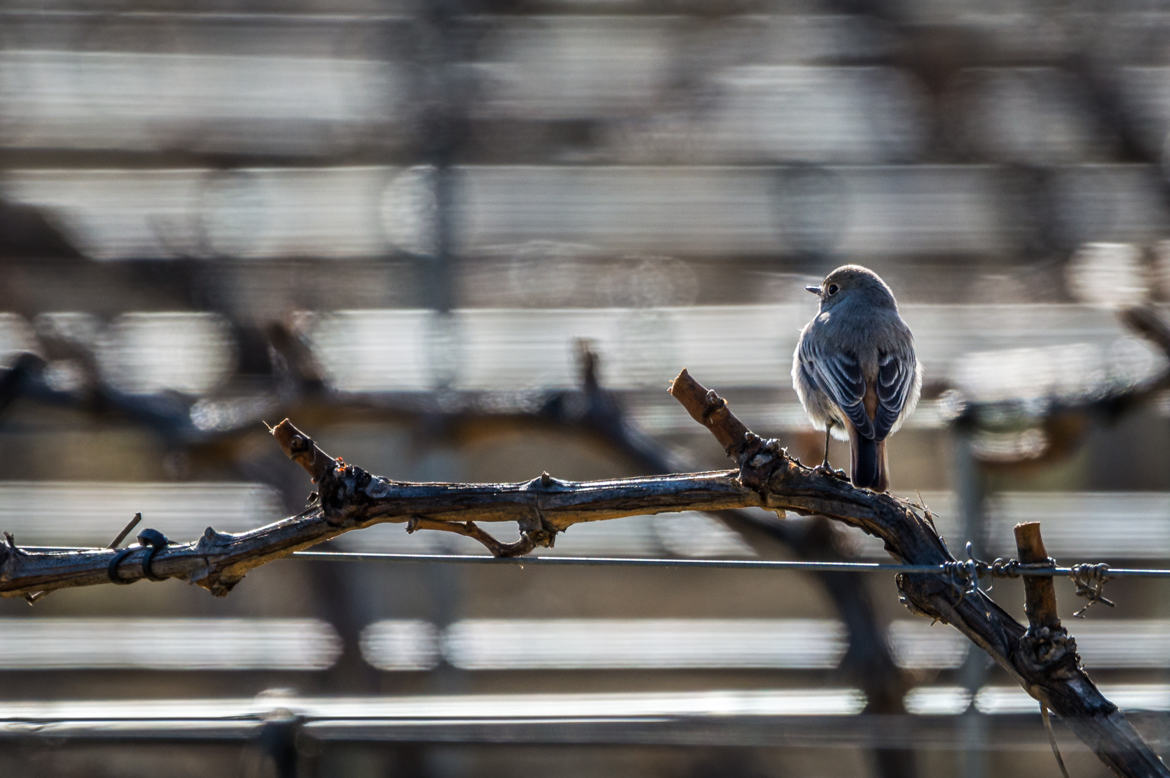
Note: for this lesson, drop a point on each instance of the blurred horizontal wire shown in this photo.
(167, 643)
(533, 644)
(716, 644)
(447, 712)
(524, 644)
(870, 213)
(1006, 700)
(761, 702)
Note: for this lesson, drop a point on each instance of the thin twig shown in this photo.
(117, 541)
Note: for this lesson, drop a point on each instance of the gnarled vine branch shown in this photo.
(350, 498)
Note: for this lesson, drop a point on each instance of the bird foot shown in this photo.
(824, 468)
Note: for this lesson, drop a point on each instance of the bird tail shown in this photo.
(868, 462)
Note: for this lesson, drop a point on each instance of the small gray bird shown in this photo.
(855, 370)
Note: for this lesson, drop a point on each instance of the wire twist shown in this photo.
(964, 573)
(1002, 567)
(1090, 579)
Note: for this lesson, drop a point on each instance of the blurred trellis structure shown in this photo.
(356, 210)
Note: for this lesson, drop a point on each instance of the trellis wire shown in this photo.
(984, 568)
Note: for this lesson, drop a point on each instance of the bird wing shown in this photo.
(895, 380)
(838, 374)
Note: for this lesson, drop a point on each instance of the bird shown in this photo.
(855, 370)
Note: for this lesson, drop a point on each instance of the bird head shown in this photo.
(852, 283)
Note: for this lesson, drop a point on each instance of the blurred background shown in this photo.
(474, 240)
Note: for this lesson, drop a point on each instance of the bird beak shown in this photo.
(814, 289)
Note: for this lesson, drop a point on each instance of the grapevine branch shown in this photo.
(350, 498)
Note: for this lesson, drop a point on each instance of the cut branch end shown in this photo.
(301, 449)
(1039, 591)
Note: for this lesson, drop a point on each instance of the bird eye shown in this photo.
(833, 288)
